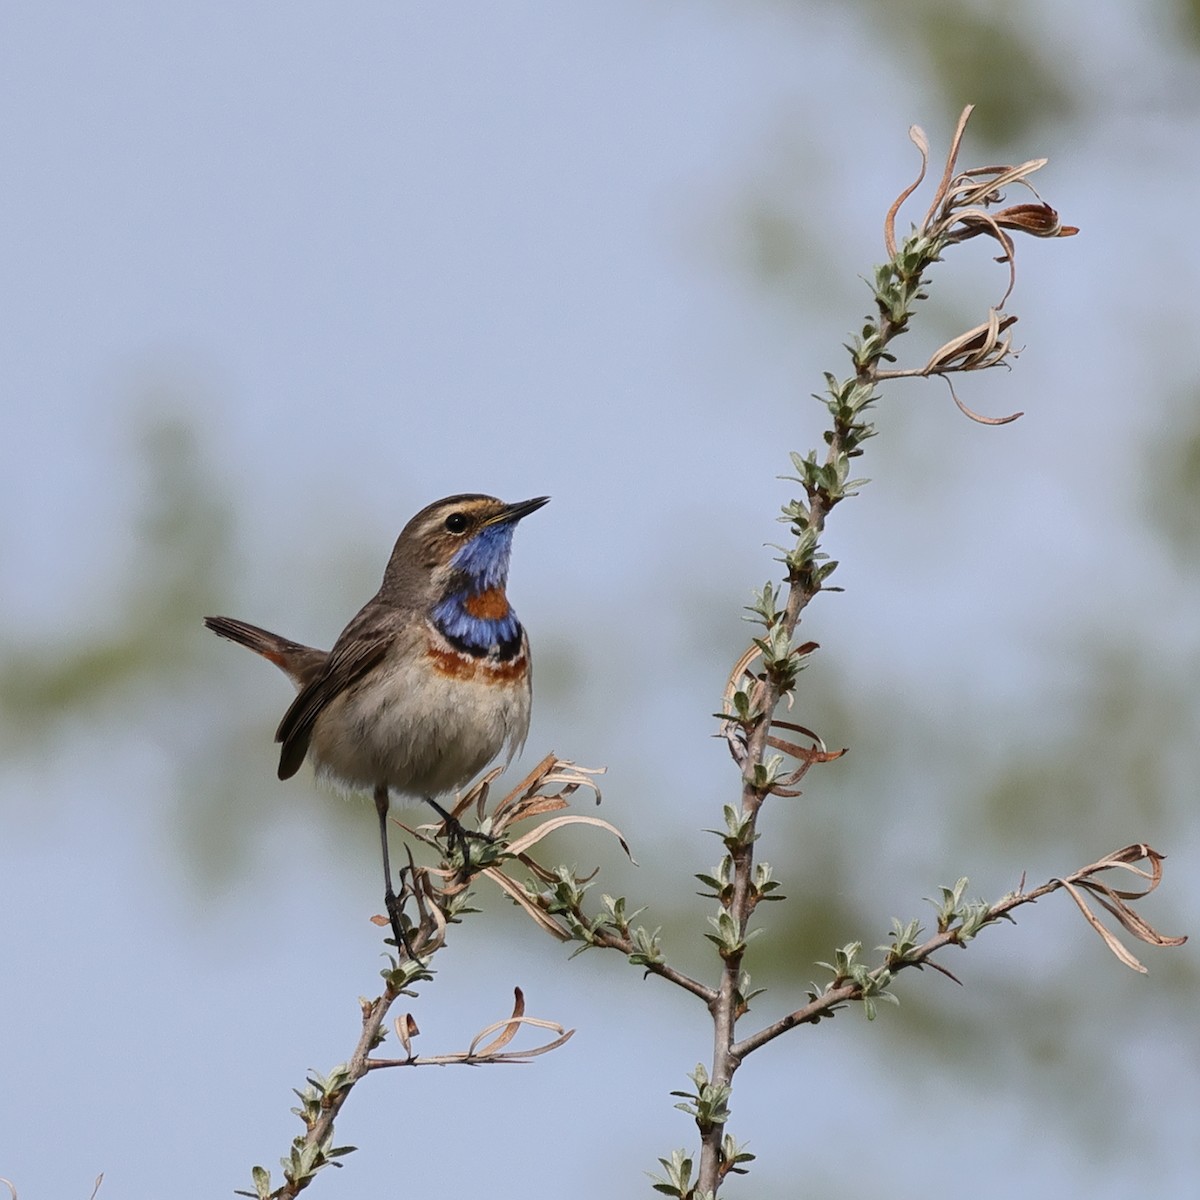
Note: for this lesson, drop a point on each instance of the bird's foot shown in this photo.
(459, 835)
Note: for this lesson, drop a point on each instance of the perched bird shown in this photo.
(430, 681)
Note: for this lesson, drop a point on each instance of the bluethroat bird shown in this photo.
(429, 682)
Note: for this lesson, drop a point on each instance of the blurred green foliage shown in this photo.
(967, 52)
(1188, 17)
(182, 534)
(979, 54)
(1171, 505)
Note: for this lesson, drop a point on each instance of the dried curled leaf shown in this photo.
(741, 678)
(979, 417)
(1037, 220)
(529, 798)
(806, 756)
(493, 1051)
(508, 1028)
(406, 1029)
(521, 898)
(518, 847)
(519, 851)
(965, 205)
(917, 136)
(939, 197)
(549, 786)
(976, 350)
(519, 1056)
(1115, 900)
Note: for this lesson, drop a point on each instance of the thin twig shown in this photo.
(614, 941)
(372, 1025)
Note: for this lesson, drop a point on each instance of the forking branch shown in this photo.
(774, 755)
(430, 899)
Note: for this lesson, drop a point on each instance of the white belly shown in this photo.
(421, 730)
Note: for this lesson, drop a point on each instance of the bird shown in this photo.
(431, 680)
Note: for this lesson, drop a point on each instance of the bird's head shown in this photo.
(457, 545)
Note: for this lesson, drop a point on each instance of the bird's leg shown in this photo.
(382, 803)
(394, 907)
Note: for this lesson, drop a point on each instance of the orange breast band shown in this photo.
(462, 666)
(491, 605)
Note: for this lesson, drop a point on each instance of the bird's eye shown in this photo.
(456, 522)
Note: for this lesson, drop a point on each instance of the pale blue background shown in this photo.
(379, 252)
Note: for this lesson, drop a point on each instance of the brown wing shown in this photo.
(346, 664)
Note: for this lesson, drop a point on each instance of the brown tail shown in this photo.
(299, 663)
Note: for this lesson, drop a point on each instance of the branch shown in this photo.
(962, 207)
(554, 901)
(969, 919)
(429, 901)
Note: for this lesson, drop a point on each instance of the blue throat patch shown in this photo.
(484, 559)
(484, 563)
(476, 635)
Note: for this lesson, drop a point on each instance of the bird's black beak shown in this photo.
(512, 513)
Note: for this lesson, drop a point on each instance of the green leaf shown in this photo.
(262, 1182)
